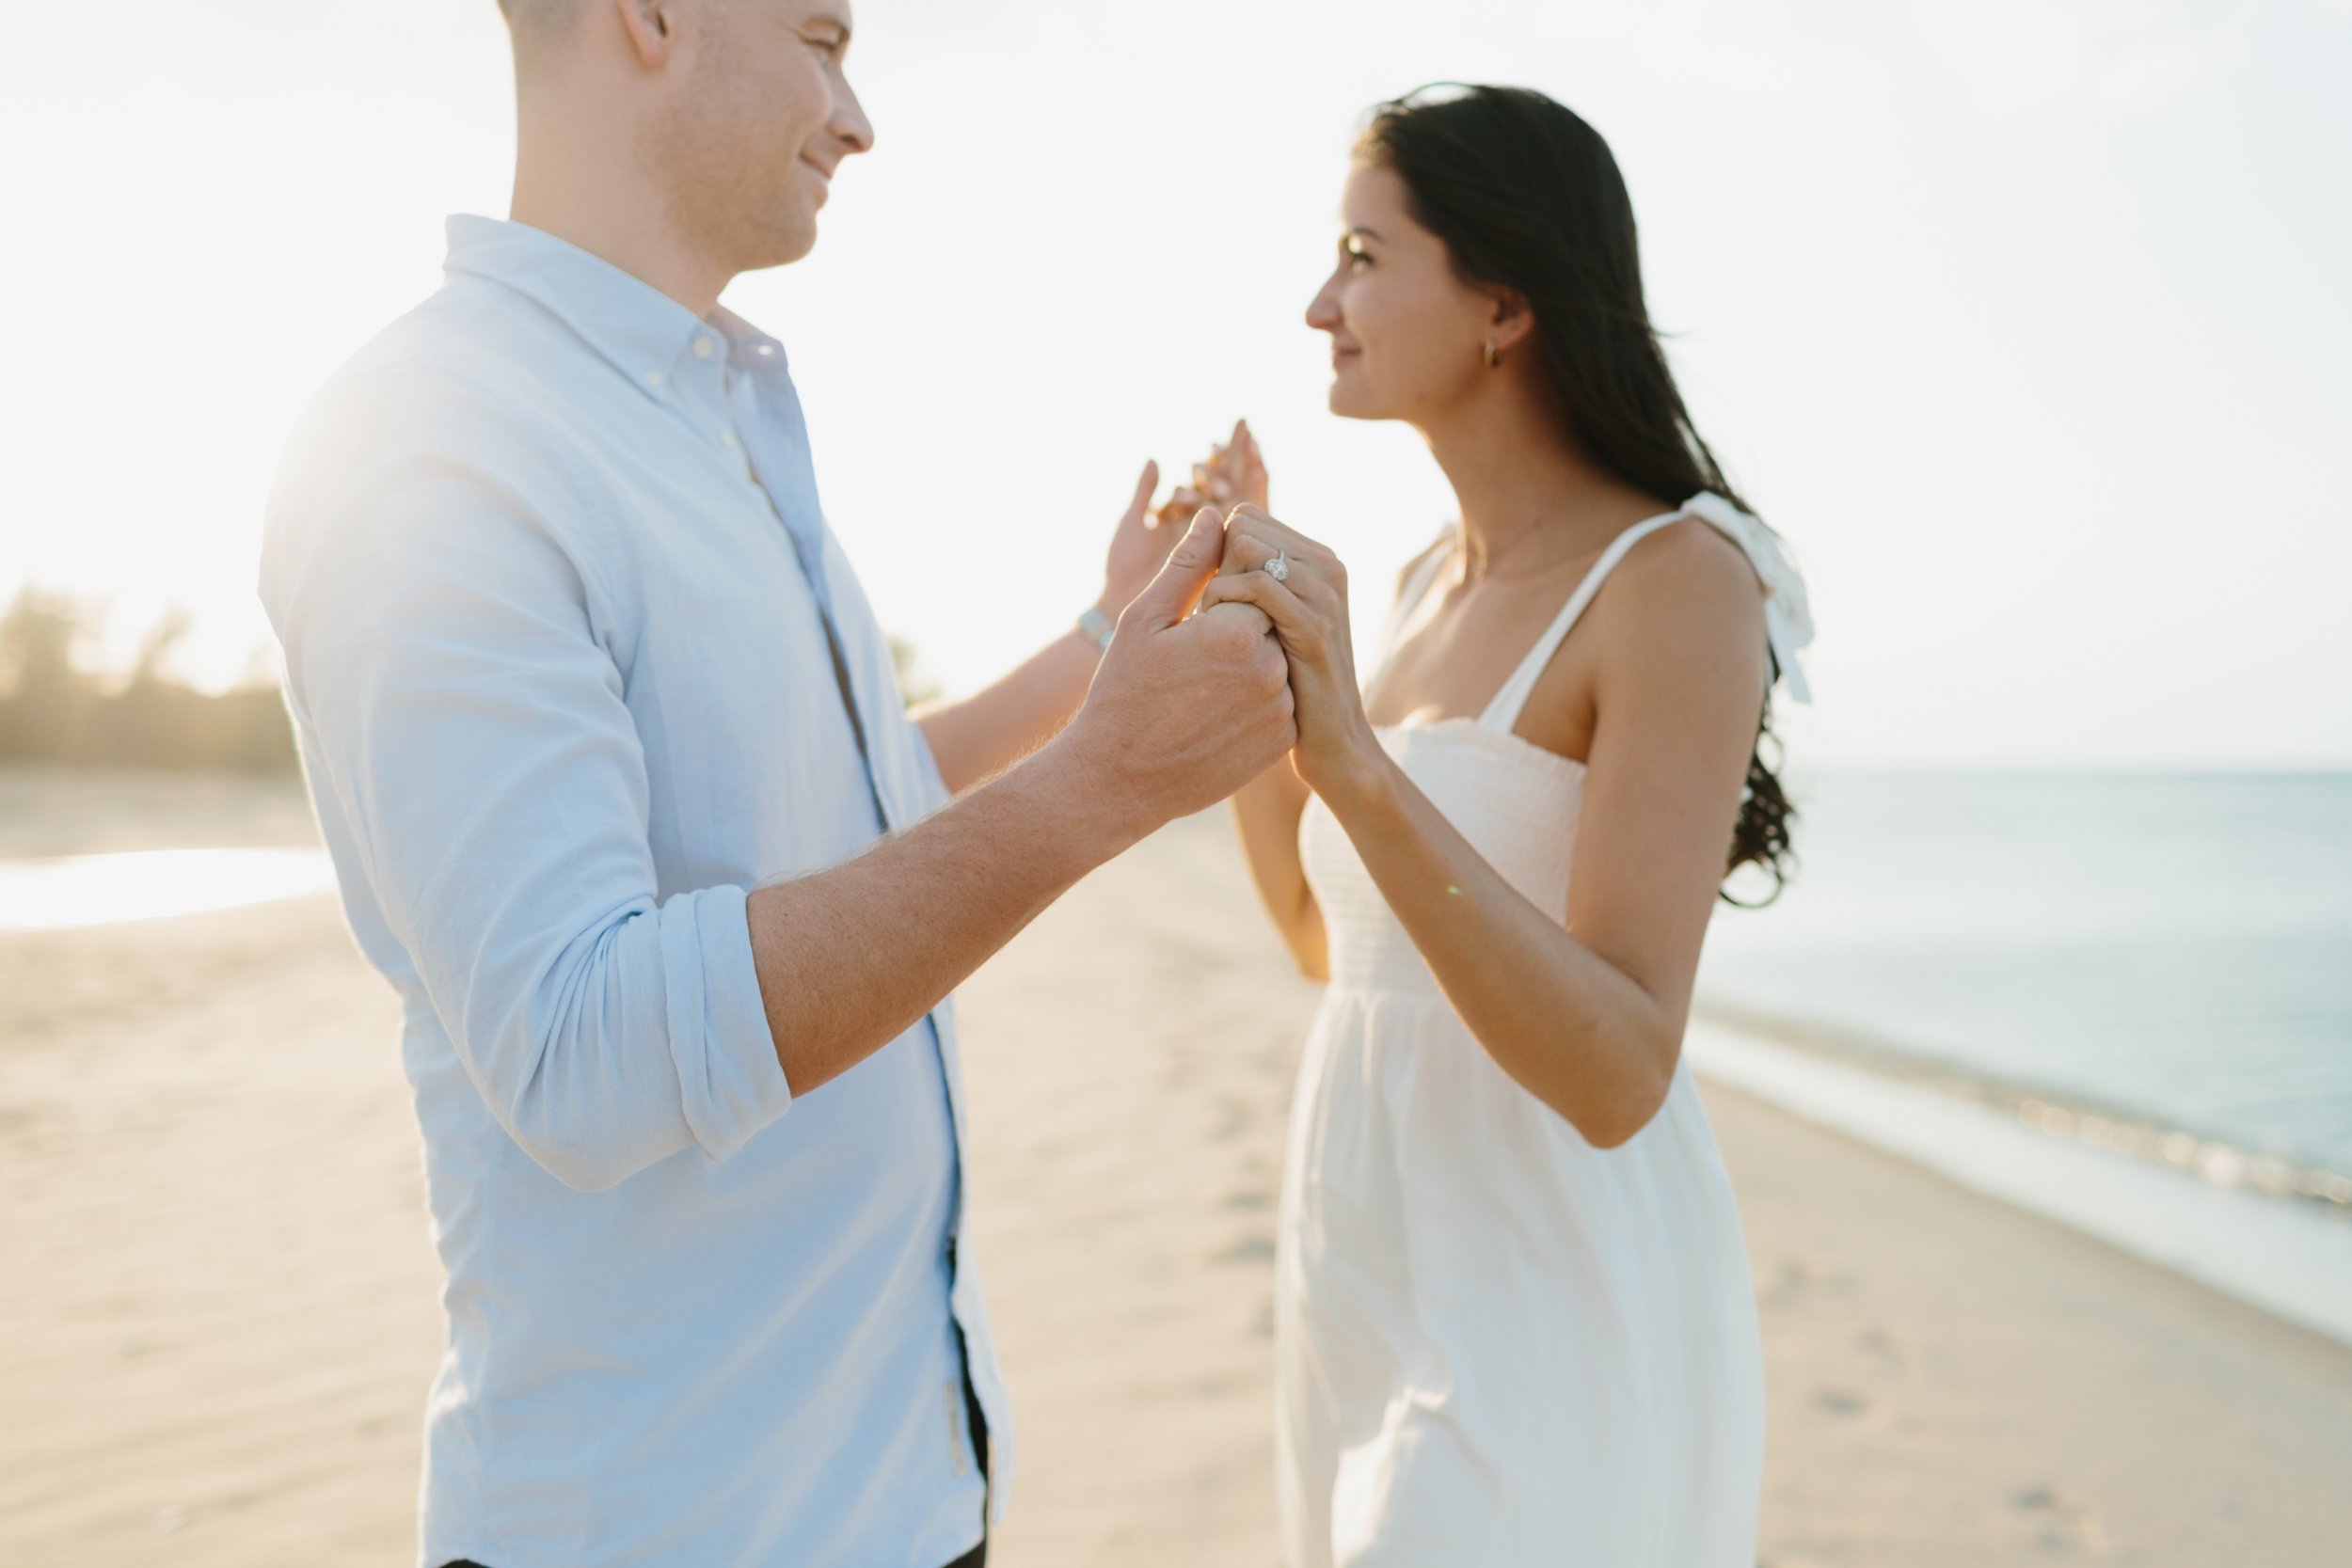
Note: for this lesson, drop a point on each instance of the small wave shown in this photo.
(2291, 1259)
(2082, 1119)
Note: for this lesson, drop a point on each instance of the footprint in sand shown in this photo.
(1789, 1285)
(2060, 1524)
(1249, 1249)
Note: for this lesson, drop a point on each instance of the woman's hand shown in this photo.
(1337, 749)
(1234, 475)
(1139, 546)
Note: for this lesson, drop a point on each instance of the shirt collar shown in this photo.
(646, 335)
(747, 344)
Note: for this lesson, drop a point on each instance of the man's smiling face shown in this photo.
(761, 119)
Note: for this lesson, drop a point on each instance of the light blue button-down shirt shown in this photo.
(560, 675)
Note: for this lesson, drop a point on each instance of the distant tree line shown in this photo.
(53, 709)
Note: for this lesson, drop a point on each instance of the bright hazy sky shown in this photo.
(2024, 320)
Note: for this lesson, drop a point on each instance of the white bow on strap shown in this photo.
(1787, 621)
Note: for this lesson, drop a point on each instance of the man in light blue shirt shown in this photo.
(608, 749)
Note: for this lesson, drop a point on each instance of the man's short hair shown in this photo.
(537, 25)
(537, 19)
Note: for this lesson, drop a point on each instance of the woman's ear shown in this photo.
(1512, 321)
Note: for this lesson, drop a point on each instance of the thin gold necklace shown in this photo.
(1493, 557)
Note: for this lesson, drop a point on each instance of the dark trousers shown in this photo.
(977, 1556)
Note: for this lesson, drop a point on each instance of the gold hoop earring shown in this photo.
(1494, 359)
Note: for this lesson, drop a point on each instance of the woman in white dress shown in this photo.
(1514, 1318)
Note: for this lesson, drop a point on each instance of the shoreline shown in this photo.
(1944, 1116)
(121, 887)
(2285, 1254)
(2281, 1239)
(2059, 1114)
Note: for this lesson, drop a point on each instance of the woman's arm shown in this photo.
(1266, 814)
(977, 739)
(1265, 809)
(1588, 1017)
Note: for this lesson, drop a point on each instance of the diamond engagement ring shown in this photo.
(1278, 569)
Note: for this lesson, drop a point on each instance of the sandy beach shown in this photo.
(218, 1311)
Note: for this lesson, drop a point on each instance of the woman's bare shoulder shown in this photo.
(1687, 586)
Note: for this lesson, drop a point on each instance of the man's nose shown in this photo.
(850, 126)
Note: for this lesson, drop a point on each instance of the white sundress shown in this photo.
(1496, 1344)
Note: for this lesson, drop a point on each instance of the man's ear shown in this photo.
(651, 26)
(1512, 323)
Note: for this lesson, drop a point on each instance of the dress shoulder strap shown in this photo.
(1503, 712)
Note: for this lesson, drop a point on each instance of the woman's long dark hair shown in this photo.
(1527, 197)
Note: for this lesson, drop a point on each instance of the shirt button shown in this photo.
(653, 378)
(727, 438)
(702, 348)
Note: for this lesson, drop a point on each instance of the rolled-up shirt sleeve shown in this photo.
(446, 657)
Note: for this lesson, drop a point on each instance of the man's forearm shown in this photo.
(1184, 712)
(990, 731)
(849, 959)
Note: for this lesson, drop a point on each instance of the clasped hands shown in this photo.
(1306, 612)
(1220, 671)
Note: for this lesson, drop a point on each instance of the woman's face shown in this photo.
(1408, 336)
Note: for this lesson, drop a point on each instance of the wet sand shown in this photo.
(217, 1312)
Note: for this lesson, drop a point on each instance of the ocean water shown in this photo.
(55, 892)
(2172, 953)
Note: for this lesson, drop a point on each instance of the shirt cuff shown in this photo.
(730, 1084)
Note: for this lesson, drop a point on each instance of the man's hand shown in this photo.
(1184, 712)
(1308, 609)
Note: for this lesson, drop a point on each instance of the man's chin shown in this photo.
(783, 246)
